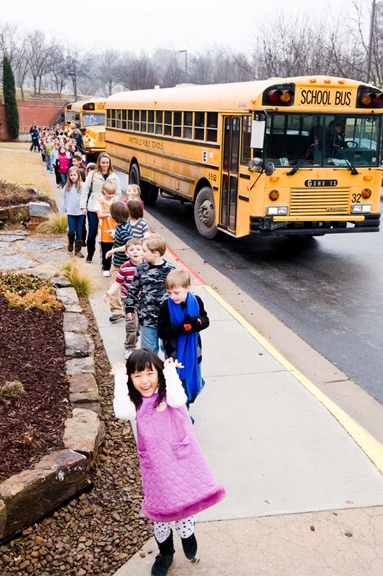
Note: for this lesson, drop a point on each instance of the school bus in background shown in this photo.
(90, 116)
(258, 157)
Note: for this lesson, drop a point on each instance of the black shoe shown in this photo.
(162, 564)
(84, 244)
(116, 318)
(89, 260)
(189, 546)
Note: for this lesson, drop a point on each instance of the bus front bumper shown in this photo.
(285, 226)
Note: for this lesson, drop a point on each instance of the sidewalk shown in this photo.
(302, 497)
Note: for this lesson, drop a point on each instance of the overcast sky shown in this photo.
(144, 25)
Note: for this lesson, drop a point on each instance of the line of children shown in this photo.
(120, 214)
(106, 224)
(123, 280)
(148, 290)
(176, 479)
(71, 196)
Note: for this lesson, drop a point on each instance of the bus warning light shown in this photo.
(280, 96)
(371, 99)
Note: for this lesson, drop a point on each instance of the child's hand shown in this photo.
(171, 362)
(106, 296)
(118, 369)
(130, 315)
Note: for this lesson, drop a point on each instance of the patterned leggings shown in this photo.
(184, 529)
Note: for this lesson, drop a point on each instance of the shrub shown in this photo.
(13, 389)
(57, 223)
(9, 91)
(41, 299)
(22, 283)
(80, 281)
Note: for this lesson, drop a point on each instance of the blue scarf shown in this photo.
(187, 346)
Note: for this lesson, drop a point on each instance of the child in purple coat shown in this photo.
(176, 479)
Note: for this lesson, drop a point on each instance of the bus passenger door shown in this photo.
(229, 184)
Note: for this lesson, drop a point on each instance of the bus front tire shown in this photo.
(204, 213)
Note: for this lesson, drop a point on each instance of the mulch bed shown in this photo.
(32, 351)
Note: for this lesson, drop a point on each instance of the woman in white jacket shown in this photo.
(91, 193)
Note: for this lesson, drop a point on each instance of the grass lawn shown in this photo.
(19, 166)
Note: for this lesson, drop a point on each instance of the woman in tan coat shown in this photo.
(92, 191)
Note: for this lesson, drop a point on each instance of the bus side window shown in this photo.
(246, 136)
(188, 121)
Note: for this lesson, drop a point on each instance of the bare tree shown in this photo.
(38, 58)
(142, 73)
(9, 42)
(231, 67)
(57, 68)
(108, 69)
(13, 45)
(168, 67)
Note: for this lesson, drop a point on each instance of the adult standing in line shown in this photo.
(92, 191)
(76, 134)
(35, 133)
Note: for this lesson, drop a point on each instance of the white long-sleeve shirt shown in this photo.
(124, 409)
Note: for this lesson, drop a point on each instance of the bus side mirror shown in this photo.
(255, 165)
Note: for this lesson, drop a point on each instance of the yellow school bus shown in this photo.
(283, 156)
(90, 116)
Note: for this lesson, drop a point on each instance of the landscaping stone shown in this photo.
(30, 495)
(80, 365)
(39, 209)
(84, 433)
(69, 298)
(83, 392)
(78, 345)
(75, 322)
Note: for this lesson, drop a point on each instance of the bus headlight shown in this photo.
(277, 210)
(361, 208)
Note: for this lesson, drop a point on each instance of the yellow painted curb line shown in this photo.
(370, 446)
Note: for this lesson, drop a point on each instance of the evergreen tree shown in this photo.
(9, 92)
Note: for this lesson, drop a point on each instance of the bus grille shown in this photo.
(319, 201)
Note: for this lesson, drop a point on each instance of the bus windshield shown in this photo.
(93, 120)
(322, 139)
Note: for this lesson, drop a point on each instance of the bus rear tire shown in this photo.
(204, 213)
(149, 193)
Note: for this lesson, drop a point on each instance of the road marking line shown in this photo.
(370, 446)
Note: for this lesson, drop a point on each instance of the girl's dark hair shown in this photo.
(135, 209)
(138, 361)
(119, 212)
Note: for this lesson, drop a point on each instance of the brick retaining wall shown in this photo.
(43, 112)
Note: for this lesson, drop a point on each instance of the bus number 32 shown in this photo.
(356, 198)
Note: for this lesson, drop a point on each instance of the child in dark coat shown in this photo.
(181, 318)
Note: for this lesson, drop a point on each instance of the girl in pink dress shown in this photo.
(176, 479)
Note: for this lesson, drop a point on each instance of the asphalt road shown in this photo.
(328, 290)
